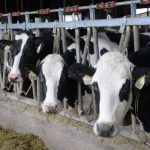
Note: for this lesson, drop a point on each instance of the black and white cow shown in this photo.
(114, 75)
(31, 53)
(27, 50)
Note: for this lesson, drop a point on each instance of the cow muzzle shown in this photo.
(105, 129)
(16, 78)
(50, 107)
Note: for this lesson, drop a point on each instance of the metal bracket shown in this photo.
(44, 11)
(107, 5)
(72, 9)
(123, 25)
(145, 1)
(15, 14)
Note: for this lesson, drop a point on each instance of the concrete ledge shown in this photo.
(59, 133)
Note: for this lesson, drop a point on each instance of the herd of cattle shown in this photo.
(115, 76)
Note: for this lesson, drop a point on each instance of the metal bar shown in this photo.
(86, 47)
(127, 38)
(34, 89)
(80, 103)
(135, 28)
(60, 14)
(80, 8)
(80, 24)
(38, 100)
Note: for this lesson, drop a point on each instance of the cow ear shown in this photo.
(141, 76)
(81, 73)
(39, 45)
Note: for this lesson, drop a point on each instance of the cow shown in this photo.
(115, 75)
(33, 54)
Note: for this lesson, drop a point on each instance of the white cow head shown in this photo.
(113, 76)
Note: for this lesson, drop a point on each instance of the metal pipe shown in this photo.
(60, 13)
(86, 47)
(80, 24)
(135, 28)
(34, 89)
(136, 38)
(127, 38)
(80, 102)
(38, 95)
(95, 36)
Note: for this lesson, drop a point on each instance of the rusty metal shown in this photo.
(44, 11)
(145, 1)
(107, 5)
(15, 14)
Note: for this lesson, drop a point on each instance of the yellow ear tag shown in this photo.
(87, 79)
(140, 82)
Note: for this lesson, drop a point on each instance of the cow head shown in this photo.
(25, 49)
(114, 74)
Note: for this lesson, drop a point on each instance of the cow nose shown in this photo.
(13, 79)
(50, 108)
(104, 130)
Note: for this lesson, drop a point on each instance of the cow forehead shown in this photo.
(112, 68)
(22, 36)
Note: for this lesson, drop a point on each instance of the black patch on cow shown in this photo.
(97, 95)
(62, 84)
(77, 71)
(125, 90)
(82, 44)
(16, 46)
(42, 85)
(103, 51)
(141, 58)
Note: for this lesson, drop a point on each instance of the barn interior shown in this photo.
(30, 104)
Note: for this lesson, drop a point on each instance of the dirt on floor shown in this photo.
(10, 140)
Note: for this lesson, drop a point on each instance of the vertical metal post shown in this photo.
(34, 89)
(95, 35)
(135, 28)
(37, 20)
(80, 103)
(10, 22)
(38, 95)
(60, 13)
(96, 51)
(86, 47)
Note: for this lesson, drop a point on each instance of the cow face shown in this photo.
(113, 76)
(51, 70)
(25, 50)
(114, 80)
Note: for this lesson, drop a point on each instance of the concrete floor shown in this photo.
(59, 133)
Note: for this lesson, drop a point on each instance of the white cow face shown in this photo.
(113, 76)
(52, 67)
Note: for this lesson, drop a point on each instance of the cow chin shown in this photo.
(105, 129)
(15, 78)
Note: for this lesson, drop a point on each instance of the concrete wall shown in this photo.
(58, 133)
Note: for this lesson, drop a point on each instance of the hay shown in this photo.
(10, 140)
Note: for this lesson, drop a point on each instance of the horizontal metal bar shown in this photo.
(80, 8)
(78, 24)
